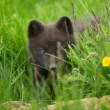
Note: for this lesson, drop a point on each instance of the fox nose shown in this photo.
(53, 67)
(52, 63)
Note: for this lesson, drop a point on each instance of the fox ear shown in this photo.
(34, 28)
(65, 24)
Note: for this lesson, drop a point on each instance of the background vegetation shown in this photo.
(87, 79)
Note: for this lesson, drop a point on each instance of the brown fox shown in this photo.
(46, 41)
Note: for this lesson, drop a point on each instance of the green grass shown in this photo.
(87, 79)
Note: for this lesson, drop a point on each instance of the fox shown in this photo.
(46, 41)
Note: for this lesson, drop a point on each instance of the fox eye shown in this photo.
(42, 51)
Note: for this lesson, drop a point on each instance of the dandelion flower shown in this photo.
(106, 61)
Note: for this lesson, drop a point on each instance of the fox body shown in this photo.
(91, 21)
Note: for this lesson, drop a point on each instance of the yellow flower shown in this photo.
(106, 61)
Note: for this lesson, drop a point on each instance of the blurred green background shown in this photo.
(15, 70)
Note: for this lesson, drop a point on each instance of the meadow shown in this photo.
(88, 78)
